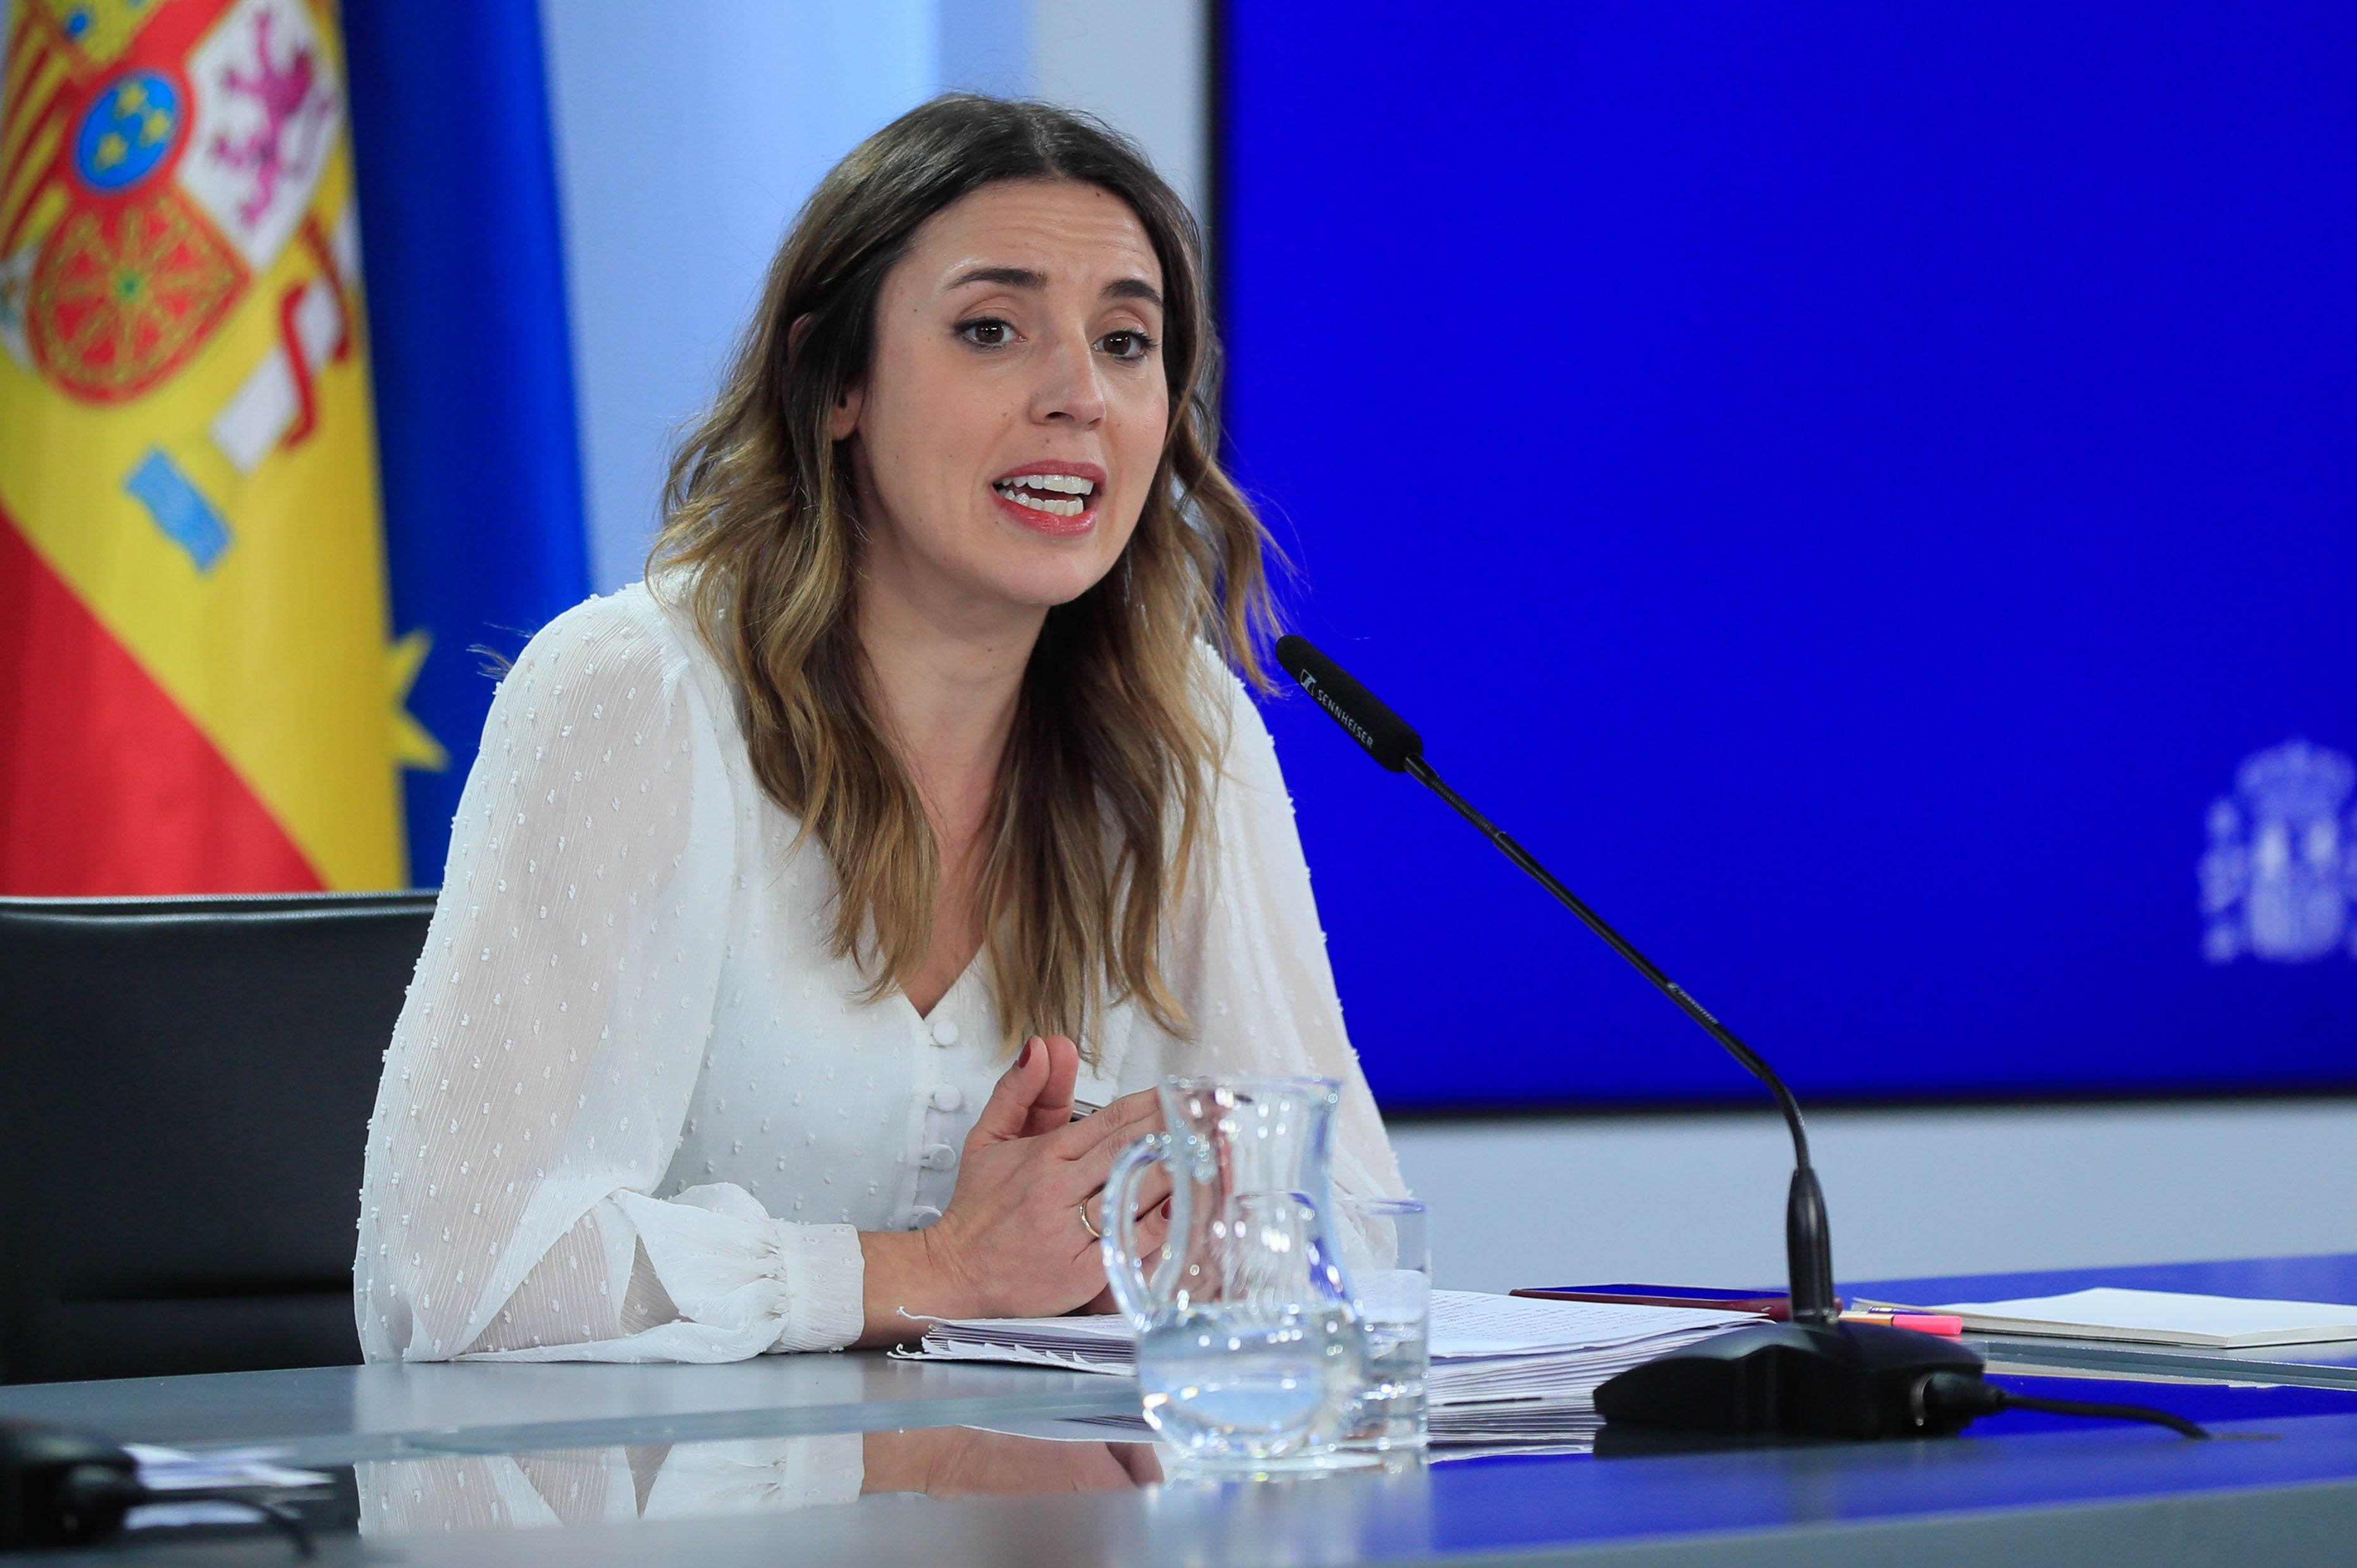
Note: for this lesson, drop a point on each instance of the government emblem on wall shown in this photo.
(2279, 878)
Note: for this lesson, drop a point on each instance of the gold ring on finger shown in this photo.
(1090, 1225)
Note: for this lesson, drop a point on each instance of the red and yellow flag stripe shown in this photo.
(196, 689)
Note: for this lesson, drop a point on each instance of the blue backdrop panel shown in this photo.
(464, 268)
(1852, 488)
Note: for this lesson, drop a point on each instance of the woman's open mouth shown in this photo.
(1051, 498)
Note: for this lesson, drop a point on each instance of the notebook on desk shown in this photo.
(2153, 1318)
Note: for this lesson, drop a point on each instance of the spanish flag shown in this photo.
(197, 691)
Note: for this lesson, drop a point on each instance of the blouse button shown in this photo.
(948, 1097)
(940, 1158)
(945, 1031)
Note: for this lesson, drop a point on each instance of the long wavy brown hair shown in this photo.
(1103, 794)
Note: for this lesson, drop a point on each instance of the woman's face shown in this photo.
(1008, 432)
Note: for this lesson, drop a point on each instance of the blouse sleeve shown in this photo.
(539, 1078)
(1251, 964)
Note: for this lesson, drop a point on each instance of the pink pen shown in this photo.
(1946, 1325)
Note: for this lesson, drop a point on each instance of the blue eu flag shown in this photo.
(476, 430)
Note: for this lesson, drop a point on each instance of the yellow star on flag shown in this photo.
(413, 745)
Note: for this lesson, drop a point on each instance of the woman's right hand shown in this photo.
(1012, 1242)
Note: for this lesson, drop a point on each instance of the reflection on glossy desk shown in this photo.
(859, 1460)
(2087, 1498)
(345, 1416)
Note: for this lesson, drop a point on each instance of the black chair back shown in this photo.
(185, 1087)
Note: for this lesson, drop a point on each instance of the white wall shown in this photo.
(1142, 64)
(1700, 1199)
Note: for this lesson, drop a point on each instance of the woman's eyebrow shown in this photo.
(1028, 278)
(1007, 277)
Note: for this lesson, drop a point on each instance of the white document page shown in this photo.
(1505, 1370)
(1466, 1324)
(2162, 1318)
(1470, 1323)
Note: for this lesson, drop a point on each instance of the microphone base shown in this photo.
(1850, 1383)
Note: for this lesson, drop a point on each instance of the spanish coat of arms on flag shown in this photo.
(195, 688)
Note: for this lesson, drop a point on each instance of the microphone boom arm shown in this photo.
(1808, 1239)
(1423, 772)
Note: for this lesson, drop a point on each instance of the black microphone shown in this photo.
(1382, 732)
(1813, 1377)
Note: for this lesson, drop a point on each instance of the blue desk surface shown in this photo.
(2280, 1484)
(1500, 1503)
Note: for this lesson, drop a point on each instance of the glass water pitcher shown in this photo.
(1249, 1349)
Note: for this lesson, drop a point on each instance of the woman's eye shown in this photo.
(988, 333)
(1127, 345)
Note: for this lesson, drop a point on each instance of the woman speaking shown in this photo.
(803, 895)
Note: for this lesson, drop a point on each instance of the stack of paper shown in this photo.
(1505, 1370)
(2162, 1318)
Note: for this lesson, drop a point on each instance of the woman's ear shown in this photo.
(844, 417)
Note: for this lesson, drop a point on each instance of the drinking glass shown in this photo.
(1394, 1293)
